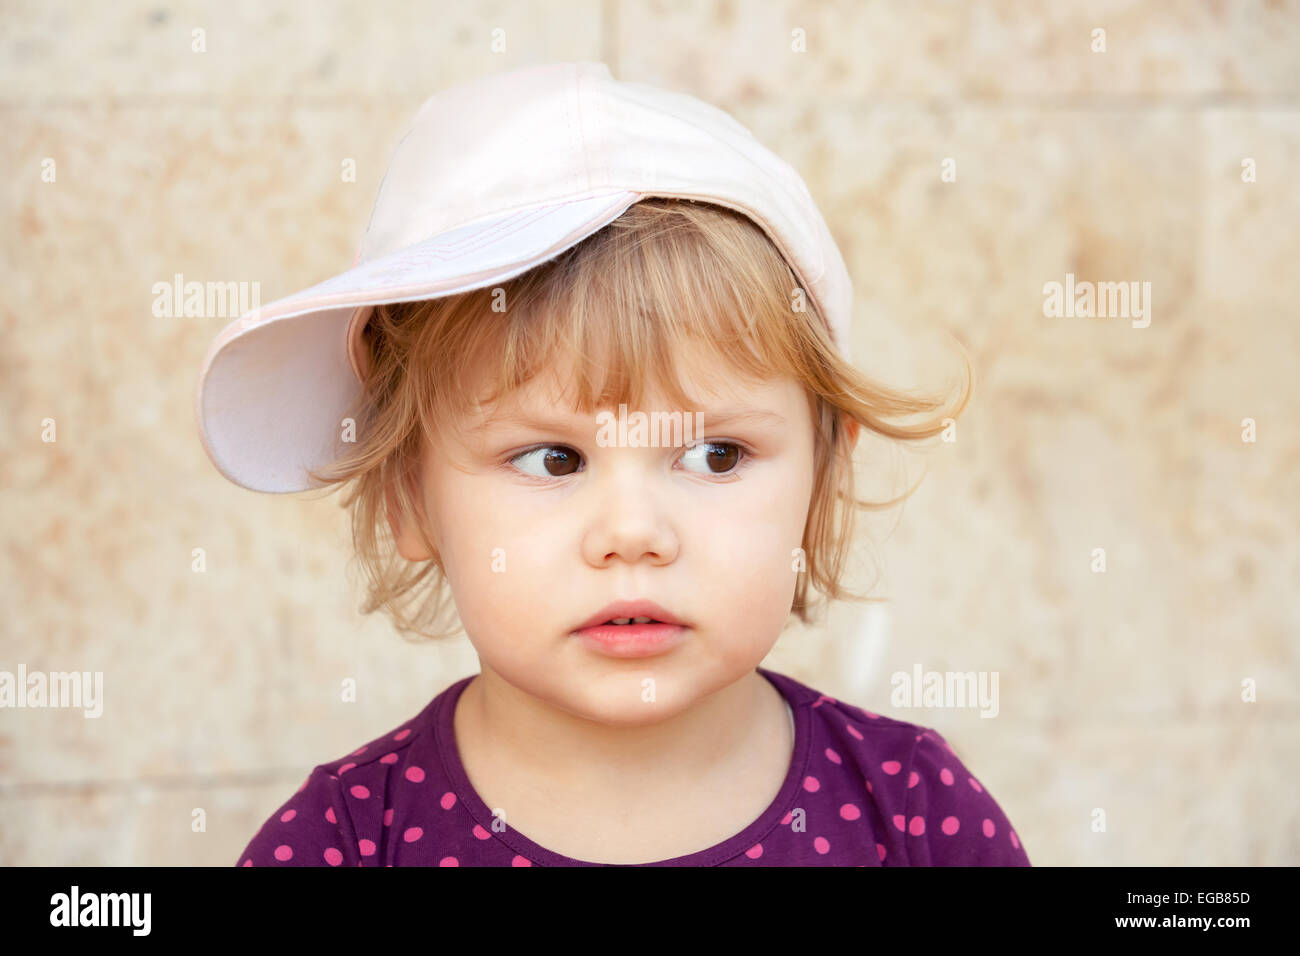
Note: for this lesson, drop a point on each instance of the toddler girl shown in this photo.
(619, 455)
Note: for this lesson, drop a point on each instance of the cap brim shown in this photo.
(276, 383)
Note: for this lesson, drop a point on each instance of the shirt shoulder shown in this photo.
(926, 806)
(951, 817)
(339, 815)
(311, 828)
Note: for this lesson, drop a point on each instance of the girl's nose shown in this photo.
(630, 521)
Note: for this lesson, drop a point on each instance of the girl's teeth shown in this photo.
(628, 620)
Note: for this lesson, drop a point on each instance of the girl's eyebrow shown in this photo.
(742, 416)
(754, 416)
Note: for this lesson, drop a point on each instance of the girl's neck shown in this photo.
(498, 726)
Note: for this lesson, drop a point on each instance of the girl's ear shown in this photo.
(410, 544)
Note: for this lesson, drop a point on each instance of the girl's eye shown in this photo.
(555, 461)
(558, 461)
(719, 457)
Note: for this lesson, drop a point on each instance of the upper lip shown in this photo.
(637, 608)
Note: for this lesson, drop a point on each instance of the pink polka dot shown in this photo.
(288, 815)
(346, 767)
(900, 822)
(811, 784)
(248, 863)
(304, 785)
(414, 774)
(880, 850)
(479, 832)
(853, 730)
(449, 861)
(388, 758)
(945, 777)
(520, 861)
(871, 715)
(367, 847)
(360, 792)
(822, 845)
(359, 750)
(329, 815)
(916, 826)
(950, 825)
(891, 767)
(755, 851)
(284, 852)
(388, 817)
(832, 756)
(333, 857)
(1014, 842)
(402, 734)
(448, 800)
(913, 779)
(412, 834)
(785, 820)
(868, 786)
(975, 785)
(989, 828)
(850, 812)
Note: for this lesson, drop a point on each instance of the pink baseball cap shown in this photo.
(493, 177)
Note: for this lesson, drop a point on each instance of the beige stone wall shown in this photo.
(1119, 690)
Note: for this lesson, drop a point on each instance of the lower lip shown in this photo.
(632, 640)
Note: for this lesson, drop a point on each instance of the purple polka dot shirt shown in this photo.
(862, 790)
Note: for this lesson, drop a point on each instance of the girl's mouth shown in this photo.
(630, 614)
(632, 637)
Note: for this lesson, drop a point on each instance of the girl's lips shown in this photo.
(632, 640)
(637, 608)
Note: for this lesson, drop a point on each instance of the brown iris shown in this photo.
(727, 457)
(560, 462)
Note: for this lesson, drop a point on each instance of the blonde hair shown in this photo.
(666, 274)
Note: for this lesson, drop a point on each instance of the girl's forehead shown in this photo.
(553, 400)
(559, 392)
(699, 375)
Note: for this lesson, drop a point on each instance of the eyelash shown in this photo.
(746, 456)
